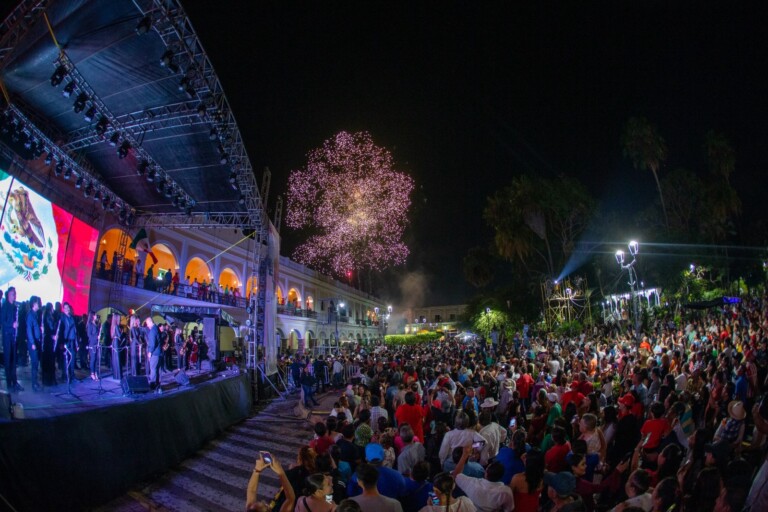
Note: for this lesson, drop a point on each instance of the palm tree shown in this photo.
(478, 267)
(647, 150)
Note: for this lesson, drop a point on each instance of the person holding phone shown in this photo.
(441, 500)
(252, 504)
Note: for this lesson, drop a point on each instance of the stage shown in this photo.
(73, 451)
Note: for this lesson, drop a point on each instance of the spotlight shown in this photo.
(28, 142)
(68, 90)
(233, 179)
(49, 160)
(190, 91)
(142, 168)
(167, 58)
(114, 139)
(224, 159)
(620, 257)
(79, 182)
(160, 186)
(105, 202)
(38, 150)
(90, 114)
(112, 205)
(67, 173)
(123, 213)
(88, 190)
(122, 151)
(183, 83)
(97, 195)
(174, 68)
(80, 102)
(241, 201)
(129, 217)
(188, 209)
(175, 201)
(214, 134)
(151, 175)
(168, 190)
(101, 126)
(59, 169)
(144, 25)
(58, 76)
(201, 110)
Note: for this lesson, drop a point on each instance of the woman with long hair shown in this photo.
(527, 486)
(666, 495)
(115, 335)
(48, 363)
(443, 485)
(135, 334)
(317, 487)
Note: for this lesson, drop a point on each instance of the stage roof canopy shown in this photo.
(139, 70)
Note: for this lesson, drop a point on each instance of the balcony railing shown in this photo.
(188, 291)
(283, 309)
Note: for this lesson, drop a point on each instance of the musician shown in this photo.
(165, 345)
(154, 350)
(49, 352)
(9, 318)
(66, 337)
(181, 348)
(115, 334)
(92, 332)
(105, 340)
(34, 339)
(136, 335)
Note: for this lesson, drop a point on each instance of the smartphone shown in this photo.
(513, 423)
(266, 457)
(626, 457)
(329, 498)
(478, 445)
(646, 439)
(433, 498)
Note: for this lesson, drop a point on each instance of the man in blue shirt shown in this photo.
(154, 350)
(390, 483)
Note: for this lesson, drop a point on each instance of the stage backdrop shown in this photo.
(44, 250)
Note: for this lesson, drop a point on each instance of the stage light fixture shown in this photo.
(201, 110)
(174, 68)
(188, 210)
(59, 169)
(68, 90)
(142, 168)
(49, 160)
(233, 179)
(88, 190)
(151, 175)
(160, 186)
(79, 182)
(169, 189)
(129, 218)
(144, 25)
(214, 134)
(112, 205)
(241, 201)
(90, 114)
(189, 91)
(58, 76)
(97, 195)
(114, 139)
(105, 202)
(38, 150)
(166, 59)
(123, 213)
(101, 126)
(67, 173)
(80, 102)
(122, 151)
(224, 159)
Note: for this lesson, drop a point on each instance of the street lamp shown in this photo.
(634, 249)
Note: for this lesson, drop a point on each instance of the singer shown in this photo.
(9, 318)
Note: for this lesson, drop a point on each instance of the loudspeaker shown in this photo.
(182, 378)
(137, 384)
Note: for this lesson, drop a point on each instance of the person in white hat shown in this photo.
(731, 430)
(493, 433)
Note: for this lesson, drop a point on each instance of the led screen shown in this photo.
(44, 250)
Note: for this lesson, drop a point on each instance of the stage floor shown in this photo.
(86, 394)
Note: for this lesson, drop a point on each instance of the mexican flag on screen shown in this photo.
(141, 243)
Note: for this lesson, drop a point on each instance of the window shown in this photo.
(437, 318)
(452, 317)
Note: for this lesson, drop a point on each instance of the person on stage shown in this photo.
(82, 342)
(9, 318)
(34, 339)
(136, 335)
(154, 350)
(67, 341)
(92, 332)
(49, 348)
(115, 334)
(181, 352)
(105, 341)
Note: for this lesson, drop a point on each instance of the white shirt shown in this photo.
(457, 505)
(457, 438)
(487, 496)
(494, 435)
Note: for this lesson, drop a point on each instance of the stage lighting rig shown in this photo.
(144, 25)
(68, 90)
(89, 114)
(58, 76)
(151, 175)
(97, 195)
(59, 169)
(233, 179)
(114, 139)
(142, 168)
(123, 150)
(241, 200)
(67, 173)
(214, 134)
(79, 182)
(88, 190)
(166, 59)
(49, 160)
(80, 102)
(105, 202)
(101, 126)
(160, 186)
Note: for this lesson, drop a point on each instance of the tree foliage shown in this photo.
(647, 149)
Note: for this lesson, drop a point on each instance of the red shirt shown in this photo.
(412, 415)
(524, 385)
(586, 388)
(554, 459)
(657, 428)
(321, 444)
(571, 396)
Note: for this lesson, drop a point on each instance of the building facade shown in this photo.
(434, 318)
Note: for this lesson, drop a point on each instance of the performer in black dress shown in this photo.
(9, 318)
(34, 339)
(67, 341)
(115, 334)
(136, 336)
(49, 355)
(92, 331)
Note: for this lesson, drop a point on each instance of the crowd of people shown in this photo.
(676, 420)
(55, 342)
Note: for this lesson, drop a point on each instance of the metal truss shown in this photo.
(78, 166)
(194, 221)
(130, 136)
(16, 25)
(172, 25)
(151, 119)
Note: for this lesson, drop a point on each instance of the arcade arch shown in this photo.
(228, 278)
(166, 261)
(197, 269)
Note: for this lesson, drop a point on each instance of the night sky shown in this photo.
(467, 97)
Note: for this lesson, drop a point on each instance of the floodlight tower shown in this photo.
(634, 248)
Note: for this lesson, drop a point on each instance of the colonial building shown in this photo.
(434, 318)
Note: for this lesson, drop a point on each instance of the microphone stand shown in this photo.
(68, 365)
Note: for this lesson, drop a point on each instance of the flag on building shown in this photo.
(141, 243)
